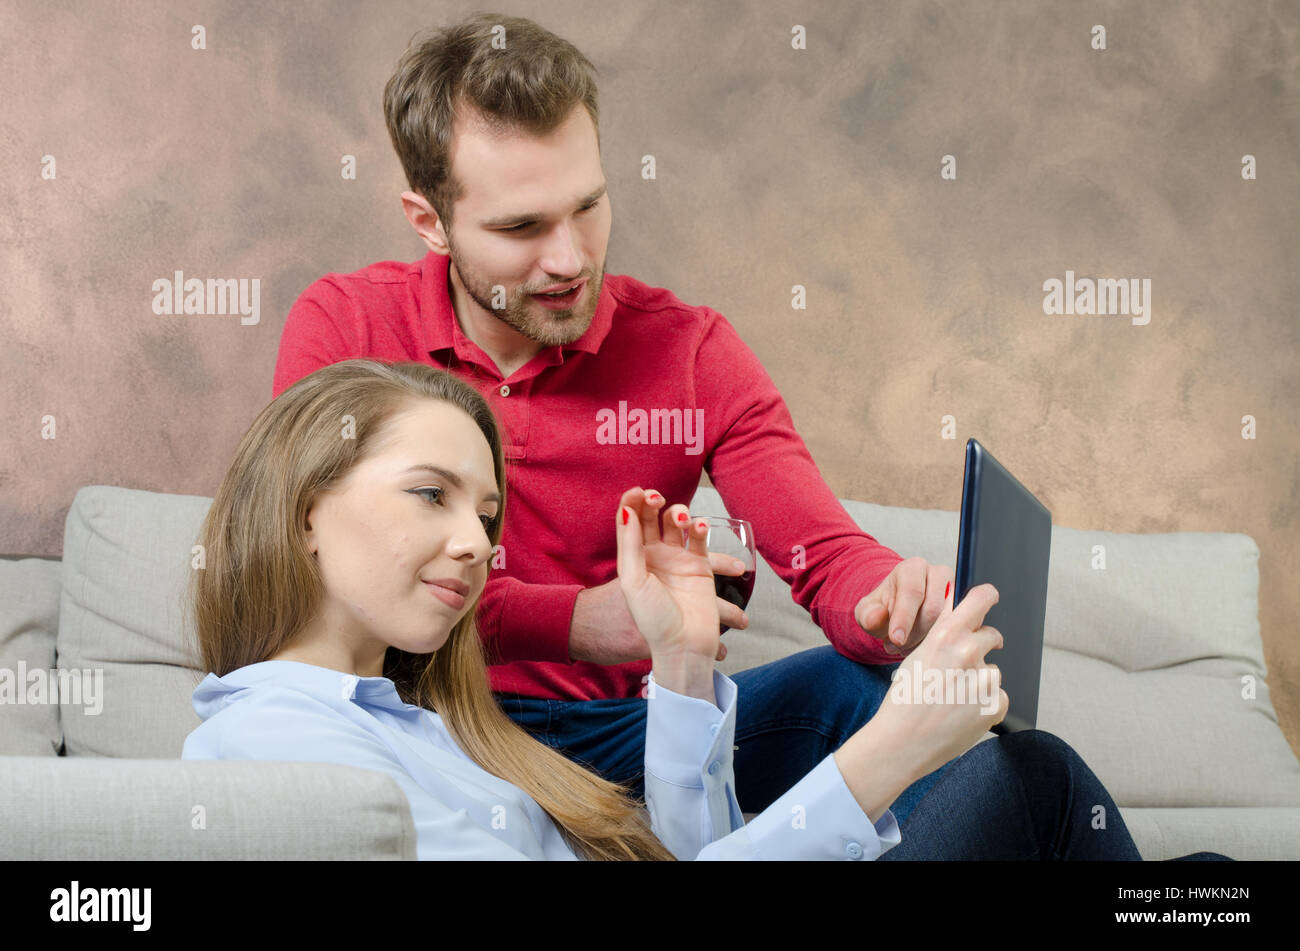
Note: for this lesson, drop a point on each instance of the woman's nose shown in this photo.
(470, 541)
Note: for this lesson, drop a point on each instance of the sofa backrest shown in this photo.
(126, 565)
(1160, 600)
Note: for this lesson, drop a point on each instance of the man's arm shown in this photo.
(764, 473)
(520, 621)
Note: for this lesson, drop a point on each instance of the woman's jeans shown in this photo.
(1023, 796)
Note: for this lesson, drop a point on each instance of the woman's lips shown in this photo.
(452, 599)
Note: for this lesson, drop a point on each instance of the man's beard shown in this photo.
(550, 328)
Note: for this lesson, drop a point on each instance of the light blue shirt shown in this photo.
(286, 710)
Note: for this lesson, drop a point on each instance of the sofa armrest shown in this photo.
(96, 809)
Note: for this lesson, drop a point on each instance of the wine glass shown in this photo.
(734, 537)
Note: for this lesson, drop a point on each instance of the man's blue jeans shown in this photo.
(790, 715)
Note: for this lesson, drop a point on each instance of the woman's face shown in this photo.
(402, 542)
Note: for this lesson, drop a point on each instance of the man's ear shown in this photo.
(425, 221)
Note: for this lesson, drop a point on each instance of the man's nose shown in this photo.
(560, 256)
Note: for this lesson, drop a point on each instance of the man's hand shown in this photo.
(602, 630)
(903, 608)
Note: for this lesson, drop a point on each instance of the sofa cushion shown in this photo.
(1258, 835)
(29, 594)
(1194, 734)
(126, 564)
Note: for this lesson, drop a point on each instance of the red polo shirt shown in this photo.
(583, 423)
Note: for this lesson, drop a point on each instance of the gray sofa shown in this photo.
(1153, 672)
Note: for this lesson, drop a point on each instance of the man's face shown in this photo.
(533, 217)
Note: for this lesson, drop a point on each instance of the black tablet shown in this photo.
(1005, 540)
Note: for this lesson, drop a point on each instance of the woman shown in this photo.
(347, 548)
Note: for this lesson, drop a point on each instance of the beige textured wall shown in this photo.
(776, 167)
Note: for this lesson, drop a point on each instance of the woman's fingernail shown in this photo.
(947, 588)
(682, 516)
(626, 513)
(653, 495)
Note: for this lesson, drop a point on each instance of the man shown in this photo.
(495, 122)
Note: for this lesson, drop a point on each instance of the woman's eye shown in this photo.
(433, 490)
(437, 494)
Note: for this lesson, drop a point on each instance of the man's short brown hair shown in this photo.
(511, 74)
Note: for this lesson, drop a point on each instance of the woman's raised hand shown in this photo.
(668, 586)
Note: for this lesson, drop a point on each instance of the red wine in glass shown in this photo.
(734, 537)
(737, 590)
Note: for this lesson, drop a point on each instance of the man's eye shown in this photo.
(529, 224)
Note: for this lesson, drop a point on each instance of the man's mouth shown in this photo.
(562, 297)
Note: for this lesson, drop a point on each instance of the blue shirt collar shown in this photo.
(322, 682)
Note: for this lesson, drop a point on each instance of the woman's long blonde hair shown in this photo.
(261, 586)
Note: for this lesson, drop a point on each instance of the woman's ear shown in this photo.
(308, 535)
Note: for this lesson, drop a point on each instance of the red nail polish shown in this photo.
(682, 516)
(625, 515)
(947, 588)
(653, 495)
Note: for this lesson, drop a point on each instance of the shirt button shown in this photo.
(854, 850)
(714, 767)
(713, 729)
(505, 390)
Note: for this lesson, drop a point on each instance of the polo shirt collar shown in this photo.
(442, 329)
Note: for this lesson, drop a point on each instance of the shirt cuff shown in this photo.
(533, 623)
(689, 739)
(689, 780)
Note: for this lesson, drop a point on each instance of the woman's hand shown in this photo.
(668, 587)
(921, 725)
(954, 654)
